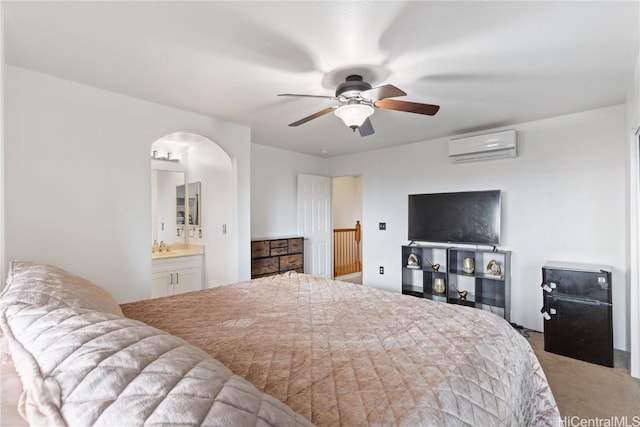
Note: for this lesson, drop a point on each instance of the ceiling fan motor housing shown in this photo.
(353, 84)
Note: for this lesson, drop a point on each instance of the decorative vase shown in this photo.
(439, 286)
(468, 265)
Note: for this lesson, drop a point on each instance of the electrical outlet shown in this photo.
(381, 270)
(382, 226)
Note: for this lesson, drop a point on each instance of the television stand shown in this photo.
(479, 278)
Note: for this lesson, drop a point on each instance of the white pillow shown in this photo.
(42, 284)
(81, 362)
(83, 367)
(10, 388)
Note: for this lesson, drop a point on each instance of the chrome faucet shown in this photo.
(159, 248)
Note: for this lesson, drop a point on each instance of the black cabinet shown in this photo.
(427, 278)
(578, 312)
(458, 275)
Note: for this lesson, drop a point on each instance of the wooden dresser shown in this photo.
(271, 256)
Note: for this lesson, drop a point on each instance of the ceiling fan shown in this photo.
(357, 99)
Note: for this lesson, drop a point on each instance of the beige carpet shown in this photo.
(352, 278)
(590, 391)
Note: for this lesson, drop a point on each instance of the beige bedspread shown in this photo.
(343, 354)
(82, 363)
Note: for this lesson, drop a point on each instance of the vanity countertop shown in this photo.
(179, 250)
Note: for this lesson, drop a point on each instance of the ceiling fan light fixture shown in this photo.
(353, 115)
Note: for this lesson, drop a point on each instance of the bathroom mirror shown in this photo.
(190, 213)
(165, 225)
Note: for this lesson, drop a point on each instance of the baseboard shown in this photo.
(621, 359)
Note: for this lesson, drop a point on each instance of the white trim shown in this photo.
(634, 255)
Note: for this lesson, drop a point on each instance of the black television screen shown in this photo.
(465, 217)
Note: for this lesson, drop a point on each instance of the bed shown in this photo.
(344, 354)
(335, 353)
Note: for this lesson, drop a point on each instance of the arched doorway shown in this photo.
(192, 201)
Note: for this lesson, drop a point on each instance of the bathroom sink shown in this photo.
(179, 250)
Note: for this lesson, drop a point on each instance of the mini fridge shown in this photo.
(577, 312)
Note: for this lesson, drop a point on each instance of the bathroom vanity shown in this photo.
(177, 264)
(176, 271)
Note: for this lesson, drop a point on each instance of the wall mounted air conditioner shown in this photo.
(490, 146)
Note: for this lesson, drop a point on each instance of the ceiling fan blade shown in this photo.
(409, 107)
(308, 96)
(313, 116)
(366, 128)
(382, 92)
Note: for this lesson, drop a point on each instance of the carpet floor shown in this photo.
(589, 391)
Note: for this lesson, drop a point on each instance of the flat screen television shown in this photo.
(471, 217)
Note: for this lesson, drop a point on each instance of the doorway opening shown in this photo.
(193, 196)
(347, 228)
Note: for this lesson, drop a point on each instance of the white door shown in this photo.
(314, 223)
(160, 286)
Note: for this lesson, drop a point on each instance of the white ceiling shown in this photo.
(487, 64)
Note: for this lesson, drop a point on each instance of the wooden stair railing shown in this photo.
(346, 250)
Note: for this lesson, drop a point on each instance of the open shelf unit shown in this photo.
(462, 269)
(419, 280)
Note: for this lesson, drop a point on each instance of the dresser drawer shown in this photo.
(278, 247)
(290, 262)
(260, 249)
(263, 266)
(296, 246)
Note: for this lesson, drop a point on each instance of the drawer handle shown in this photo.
(177, 278)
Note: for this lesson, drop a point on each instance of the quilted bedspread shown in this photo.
(343, 354)
(82, 363)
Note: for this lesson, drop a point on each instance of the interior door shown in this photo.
(314, 223)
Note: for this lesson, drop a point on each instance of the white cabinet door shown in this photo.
(175, 275)
(187, 280)
(160, 286)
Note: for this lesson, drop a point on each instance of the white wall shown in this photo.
(347, 201)
(274, 203)
(210, 165)
(563, 199)
(77, 189)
